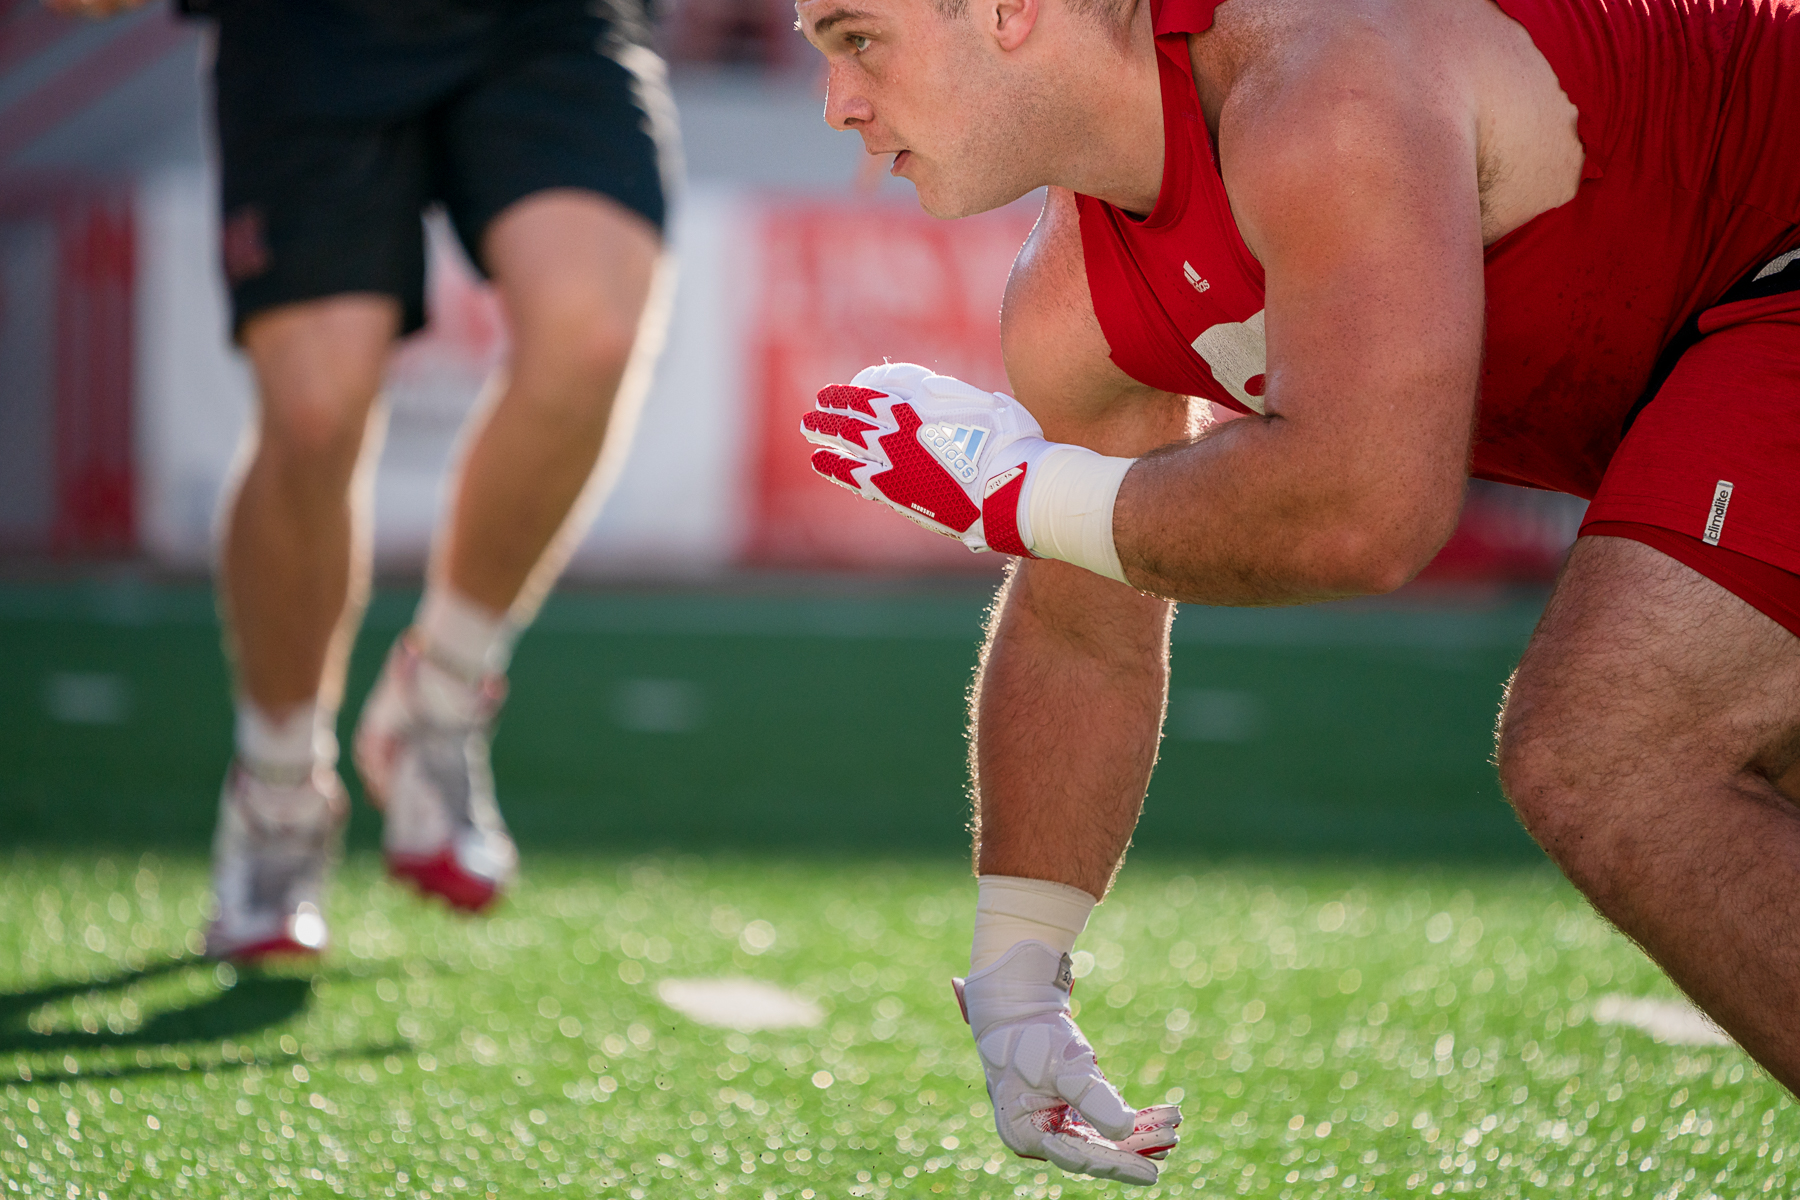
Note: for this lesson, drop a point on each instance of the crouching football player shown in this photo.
(1544, 242)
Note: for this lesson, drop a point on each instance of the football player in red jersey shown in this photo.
(1306, 266)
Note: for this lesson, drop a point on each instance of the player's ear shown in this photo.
(1011, 21)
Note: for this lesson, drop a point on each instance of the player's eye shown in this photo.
(858, 42)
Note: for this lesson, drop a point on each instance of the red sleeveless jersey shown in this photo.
(1691, 180)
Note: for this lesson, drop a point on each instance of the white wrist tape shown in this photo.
(1010, 910)
(1068, 507)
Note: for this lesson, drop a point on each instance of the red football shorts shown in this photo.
(1709, 473)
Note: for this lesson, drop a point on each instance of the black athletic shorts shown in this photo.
(341, 121)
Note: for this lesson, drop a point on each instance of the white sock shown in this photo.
(1010, 910)
(463, 635)
(293, 745)
(444, 696)
(1068, 505)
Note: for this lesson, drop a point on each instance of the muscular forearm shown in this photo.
(1067, 711)
(1262, 512)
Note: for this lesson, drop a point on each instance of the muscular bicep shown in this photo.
(1057, 360)
(1353, 180)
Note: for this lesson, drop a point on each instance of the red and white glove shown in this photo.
(934, 449)
(1050, 1099)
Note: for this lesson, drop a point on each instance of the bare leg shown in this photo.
(294, 548)
(1065, 716)
(1640, 742)
(1067, 712)
(575, 271)
(1068, 703)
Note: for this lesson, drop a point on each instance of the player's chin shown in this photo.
(938, 193)
(934, 201)
(948, 207)
(943, 195)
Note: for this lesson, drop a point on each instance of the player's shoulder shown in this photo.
(1292, 87)
(1057, 358)
(1322, 109)
(1053, 248)
(1266, 55)
(1048, 283)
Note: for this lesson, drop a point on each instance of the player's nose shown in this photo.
(845, 106)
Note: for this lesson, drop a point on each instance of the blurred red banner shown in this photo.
(844, 286)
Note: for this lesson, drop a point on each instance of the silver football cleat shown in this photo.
(276, 843)
(442, 832)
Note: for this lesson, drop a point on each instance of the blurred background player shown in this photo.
(545, 129)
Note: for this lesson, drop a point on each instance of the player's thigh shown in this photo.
(1714, 457)
(1057, 359)
(558, 170)
(319, 366)
(575, 270)
(322, 181)
(324, 256)
(1645, 684)
(1674, 634)
(1059, 366)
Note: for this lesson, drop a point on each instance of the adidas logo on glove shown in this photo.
(956, 446)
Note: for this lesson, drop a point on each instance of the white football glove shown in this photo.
(934, 449)
(1050, 1099)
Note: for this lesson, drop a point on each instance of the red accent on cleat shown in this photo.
(281, 946)
(441, 875)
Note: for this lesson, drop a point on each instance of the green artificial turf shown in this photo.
(792, 720)
(1387, 1030)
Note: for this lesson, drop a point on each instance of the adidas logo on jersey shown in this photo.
(1193, 277)
(956, 446)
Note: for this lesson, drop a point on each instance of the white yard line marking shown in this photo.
(1672, 1022)
(746, 1005)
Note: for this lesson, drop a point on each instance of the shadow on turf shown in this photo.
(253, 1002)
(185, 1065)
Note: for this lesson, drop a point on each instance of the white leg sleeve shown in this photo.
(1010, 910)
(1068, 507)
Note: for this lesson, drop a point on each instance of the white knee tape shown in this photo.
(1068, 507)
